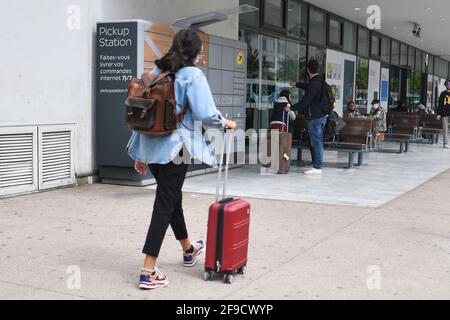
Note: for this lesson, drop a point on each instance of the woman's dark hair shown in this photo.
(186, 47)
(287, 94)
(350, 102)
(376, 101)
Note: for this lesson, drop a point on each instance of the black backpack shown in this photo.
(333, 126)
(328, 101)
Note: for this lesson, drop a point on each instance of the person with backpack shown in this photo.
(316, 104)
(444, 111)
(158, 154)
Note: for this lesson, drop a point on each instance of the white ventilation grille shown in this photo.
(55, 157)
(17, 160)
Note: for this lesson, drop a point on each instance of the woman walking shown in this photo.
(157, 154)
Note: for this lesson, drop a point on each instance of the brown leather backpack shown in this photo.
(151, 105)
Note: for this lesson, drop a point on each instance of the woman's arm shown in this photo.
(201, 103)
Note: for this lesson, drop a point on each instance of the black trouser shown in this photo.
(168, 208)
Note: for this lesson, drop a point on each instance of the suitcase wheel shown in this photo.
(208, 276)
(243, 270)
(228, 278)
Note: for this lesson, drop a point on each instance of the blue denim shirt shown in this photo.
(191, 86)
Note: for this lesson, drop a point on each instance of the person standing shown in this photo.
(379, 122)
(311, 106)
(379, 117)
(159, 154)
(444, 111)
(282, 112)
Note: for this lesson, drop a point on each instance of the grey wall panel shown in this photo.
(215, 56)
(239, 112)
(217, 100)
(227, 42)
(239, 101)
(227, 100)
(215, 81)
(227, 82)
(239, 91)
(227, 112)
(228, 58)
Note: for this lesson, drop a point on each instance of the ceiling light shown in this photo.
(357, 9)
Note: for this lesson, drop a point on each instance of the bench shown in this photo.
(354, 139)
(403, 127)
(430, 126)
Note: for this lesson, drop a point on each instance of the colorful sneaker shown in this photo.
(190, 259)
(152, 280)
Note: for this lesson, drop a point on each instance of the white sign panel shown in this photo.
(336, 68)
(374, 81)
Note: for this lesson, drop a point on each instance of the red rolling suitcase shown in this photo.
(228, 232)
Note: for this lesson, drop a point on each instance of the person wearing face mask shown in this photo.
(444, 111)
(351, 110)
(160, 154)
(378, 116)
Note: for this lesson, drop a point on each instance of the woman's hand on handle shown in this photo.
(141, 168)
(230, 124)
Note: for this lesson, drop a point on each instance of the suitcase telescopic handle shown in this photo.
(229, 133)
(288, 118)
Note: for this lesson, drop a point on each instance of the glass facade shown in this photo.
(252, 18)
(362, 83)
(335, 33)
(403, 54)
(395, 52)
(297, 19)
(394, 86)
(350, 33)
(273, 13)
(375, 47)
(411, 57)
(272, 64)
(317, 27)
(385, 50)
(363, 42)
(285, 33)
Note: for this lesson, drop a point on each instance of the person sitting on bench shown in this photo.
(351, 111)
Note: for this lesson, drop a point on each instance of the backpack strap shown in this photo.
(160, 77)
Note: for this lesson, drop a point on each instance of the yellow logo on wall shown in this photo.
(240, 58)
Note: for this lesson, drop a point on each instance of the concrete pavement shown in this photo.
(298, 250)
